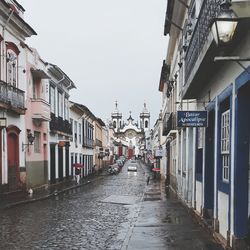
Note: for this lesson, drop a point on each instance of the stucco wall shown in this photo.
(36, 173)
(223, 213)
(198, 195)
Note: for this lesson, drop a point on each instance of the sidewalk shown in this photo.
(164, 223)
(18, 198)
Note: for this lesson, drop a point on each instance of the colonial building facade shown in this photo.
(129, 136)
(209, 165)
(37, 119)
(13, 32)
(60, 129)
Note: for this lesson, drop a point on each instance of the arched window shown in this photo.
(114, 124)
(12, 53)
(146, 124)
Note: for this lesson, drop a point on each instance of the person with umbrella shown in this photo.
(77, 172)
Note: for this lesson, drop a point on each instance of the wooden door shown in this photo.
(13, 162)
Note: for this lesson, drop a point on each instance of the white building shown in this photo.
(13, 32)
(209, 166)
(82, 140)
(130, 135)
(60, 130)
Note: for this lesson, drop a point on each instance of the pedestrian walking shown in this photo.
(148, 179)
(77, 173)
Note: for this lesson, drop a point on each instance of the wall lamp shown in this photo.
(223, 26)
(223, 29)
(31, 139)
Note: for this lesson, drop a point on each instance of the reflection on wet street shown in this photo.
(113, 212)
(74, 220)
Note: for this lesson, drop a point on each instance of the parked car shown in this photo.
(132, 167)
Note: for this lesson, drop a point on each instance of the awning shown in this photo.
(39, 73)
(156, 169)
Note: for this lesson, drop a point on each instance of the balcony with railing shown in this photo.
(57, 124)
(169, 123)
(87, 142)
(198, 53)
(40, 110)
(11, 98)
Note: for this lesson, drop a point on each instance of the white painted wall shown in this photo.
(198, 195)
(223, 210)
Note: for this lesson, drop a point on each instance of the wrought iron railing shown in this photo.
(58, 124)
(209, 10)
(11, 95)
(169, 123)
(87, 142)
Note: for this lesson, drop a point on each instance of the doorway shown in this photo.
(13, 160)
(52, 164)
(209, 167)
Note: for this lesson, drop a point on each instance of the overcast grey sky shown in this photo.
(111, 49)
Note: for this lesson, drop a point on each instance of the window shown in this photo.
(225, 144)
(11, 68)
(71, 125)
(37, 142)
(66, 109)
(52, 99)
(75, 132)
(146, 124)
(114, 124)
(34, 93)
(225, 132)
(80, 133)
(60, 104)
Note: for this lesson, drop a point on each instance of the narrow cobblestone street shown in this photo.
(113, 212)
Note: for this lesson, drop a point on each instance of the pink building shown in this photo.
(13, 32)
(37, 119)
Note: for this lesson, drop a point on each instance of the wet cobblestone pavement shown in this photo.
(100, 215)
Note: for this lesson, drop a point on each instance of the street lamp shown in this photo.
(31, 139)
(224, 25)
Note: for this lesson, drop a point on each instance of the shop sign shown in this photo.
(192, 119)
(3, 122)
(158, 153)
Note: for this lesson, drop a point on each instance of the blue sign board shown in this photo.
(192, 119)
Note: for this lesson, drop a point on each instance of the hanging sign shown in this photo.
(192, 119)
(3, 122)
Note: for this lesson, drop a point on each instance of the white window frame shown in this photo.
(60, 104)
(52, 100)
(80, 133)
(225, 144)
(75, 133)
